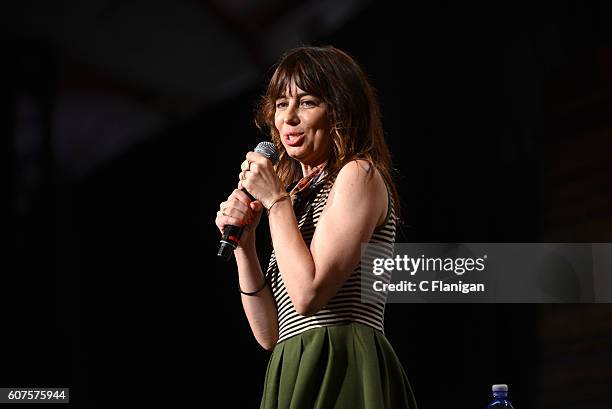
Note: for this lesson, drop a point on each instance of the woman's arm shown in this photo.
(260, 309)
(357, 203)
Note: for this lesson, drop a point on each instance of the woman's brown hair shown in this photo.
(353, 111)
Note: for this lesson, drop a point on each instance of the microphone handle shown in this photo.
(231, 237)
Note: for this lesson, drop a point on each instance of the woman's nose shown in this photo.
(291, 116)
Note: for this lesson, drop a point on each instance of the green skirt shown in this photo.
(350, 366)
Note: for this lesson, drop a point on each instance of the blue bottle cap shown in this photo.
(500, 388)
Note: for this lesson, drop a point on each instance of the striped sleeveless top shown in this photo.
(348, 304)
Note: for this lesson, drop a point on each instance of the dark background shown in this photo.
(125, 124)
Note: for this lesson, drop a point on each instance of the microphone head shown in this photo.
(268, 150)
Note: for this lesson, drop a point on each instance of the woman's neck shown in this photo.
(307, 169)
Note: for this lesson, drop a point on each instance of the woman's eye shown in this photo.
(281, 105)
(308, 103)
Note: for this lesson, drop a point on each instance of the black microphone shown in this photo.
(231, 233)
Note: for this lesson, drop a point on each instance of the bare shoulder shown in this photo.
(359, 180)
(360, 174)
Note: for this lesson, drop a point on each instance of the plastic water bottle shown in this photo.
(500, 398)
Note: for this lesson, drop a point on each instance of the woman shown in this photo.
(330, 192)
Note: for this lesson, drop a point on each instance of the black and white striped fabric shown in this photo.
(349, 304)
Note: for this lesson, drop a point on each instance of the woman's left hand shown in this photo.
(260, 179)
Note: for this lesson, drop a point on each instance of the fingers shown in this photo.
(245, 173)
(256, 206)
(256, 158)
(234, 217)
(253, 156)
(235, 210)
(255, 174)
(245, 182)
(237, 213)
(222, 220)
(241, 196)
(239, 209)
(235, 207)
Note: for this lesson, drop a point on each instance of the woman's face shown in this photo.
(303, 126)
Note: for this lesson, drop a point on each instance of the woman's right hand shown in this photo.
(239, 210)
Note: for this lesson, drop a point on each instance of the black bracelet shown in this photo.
(254, 292)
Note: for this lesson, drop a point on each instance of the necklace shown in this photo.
(301, 189)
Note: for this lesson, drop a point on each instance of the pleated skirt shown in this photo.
(347, 366)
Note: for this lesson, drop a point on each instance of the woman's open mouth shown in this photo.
(294, 139)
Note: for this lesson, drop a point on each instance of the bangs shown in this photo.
(299, 72)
